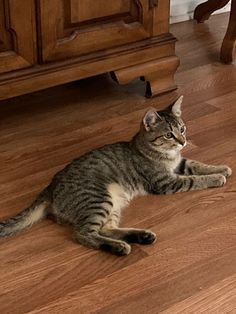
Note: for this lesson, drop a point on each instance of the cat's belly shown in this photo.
(120, 197)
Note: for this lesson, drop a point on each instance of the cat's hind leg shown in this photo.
(130, 235)
(93, 239)
(88, 226)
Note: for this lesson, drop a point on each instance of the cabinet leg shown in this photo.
(158, 74)
(204, 10)
(228, 48)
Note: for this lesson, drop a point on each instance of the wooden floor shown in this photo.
(192, 268)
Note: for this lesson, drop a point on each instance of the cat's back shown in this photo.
(108, 160)
(117, 153)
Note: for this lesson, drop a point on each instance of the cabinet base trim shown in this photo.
(158, 74)
(135, 55)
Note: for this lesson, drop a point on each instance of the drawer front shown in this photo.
(70, 28)
(17, 34)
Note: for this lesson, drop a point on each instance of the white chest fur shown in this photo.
(121, 197)
(174, 161)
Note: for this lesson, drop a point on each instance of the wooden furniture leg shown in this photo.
(158, 74)
(203, 12)
(228, 48)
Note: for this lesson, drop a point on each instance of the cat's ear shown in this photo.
(176, 107)
(151, 119)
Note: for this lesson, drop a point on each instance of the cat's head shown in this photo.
(165, 130)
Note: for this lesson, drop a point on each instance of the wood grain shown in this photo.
(191, 269)
(220, 298)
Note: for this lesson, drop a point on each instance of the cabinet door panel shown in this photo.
(90, 9)
(17, 31)
(71, 28)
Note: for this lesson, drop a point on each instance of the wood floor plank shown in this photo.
(220, 298)
(124, 285)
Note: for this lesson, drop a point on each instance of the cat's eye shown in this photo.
(182, 129)
(169, 135)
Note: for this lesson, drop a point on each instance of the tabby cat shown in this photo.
(90, 193)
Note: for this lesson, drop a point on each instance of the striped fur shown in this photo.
(90, 193)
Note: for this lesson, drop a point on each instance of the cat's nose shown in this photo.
(181, 141)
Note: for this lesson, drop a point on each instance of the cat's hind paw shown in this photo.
(118, 248)
(147, 237)
(217, 180)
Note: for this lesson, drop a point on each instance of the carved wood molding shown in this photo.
(133, 13)
(6, 39)
(17, 34)
(158, 74)
(72, 38)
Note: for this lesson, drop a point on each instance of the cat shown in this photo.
(90, 193)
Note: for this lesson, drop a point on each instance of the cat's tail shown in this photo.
(28, 217)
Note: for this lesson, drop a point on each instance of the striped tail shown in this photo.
(28, 217)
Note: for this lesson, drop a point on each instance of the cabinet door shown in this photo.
(16, 34)
(71, 28)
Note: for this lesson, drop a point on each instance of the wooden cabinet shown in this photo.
(17, 35)
(52, 42)
(78, 27)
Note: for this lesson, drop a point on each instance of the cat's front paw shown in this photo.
(217, 180)
(226, 171)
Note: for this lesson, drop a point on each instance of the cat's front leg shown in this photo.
(192, 167)
(183, 183)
